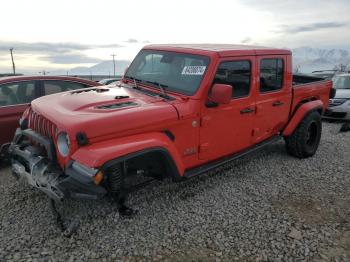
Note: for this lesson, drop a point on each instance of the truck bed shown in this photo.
(299, 79)
(308, 88)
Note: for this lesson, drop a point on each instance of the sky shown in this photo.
(63, 34)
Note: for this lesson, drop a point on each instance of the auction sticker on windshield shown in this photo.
(193, 70)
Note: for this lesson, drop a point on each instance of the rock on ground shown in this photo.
(265, 207)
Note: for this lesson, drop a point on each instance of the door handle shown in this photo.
(247, 110)
(277, 103)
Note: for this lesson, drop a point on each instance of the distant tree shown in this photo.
(341, 68)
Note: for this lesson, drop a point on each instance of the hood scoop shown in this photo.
(117, 105)
(97, 90)
(121, 97)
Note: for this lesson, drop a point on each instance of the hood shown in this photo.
(104, 111)
(342, 93)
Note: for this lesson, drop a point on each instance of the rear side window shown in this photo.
(55, 86)
(17, 93)
(271, 75)
(236, 74)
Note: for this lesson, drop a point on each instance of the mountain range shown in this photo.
(308, 59)
(103, 68)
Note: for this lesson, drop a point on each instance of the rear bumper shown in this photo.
(76, 181)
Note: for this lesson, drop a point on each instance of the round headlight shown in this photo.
(63, 144)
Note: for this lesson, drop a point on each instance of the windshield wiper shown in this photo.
(161, 87)
(135, 81)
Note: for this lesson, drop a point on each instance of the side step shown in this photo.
(216, 163)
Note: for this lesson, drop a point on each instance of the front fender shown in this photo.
(96, 155)
(299, 115)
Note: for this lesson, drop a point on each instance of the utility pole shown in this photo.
(13, 62)
(113, 64)
(44, 73)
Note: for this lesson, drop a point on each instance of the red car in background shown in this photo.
(16, 93)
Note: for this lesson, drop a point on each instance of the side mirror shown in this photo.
(221, 94)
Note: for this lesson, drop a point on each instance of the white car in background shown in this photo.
(339, 106)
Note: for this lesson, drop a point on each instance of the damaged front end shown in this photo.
(33, 157)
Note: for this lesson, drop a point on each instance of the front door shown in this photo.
(227, 128)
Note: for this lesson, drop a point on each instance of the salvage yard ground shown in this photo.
(265, 207)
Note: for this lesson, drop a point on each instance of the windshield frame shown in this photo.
(170, 89)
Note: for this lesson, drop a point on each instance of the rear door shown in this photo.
(273, 97)
(14, 99)
(226, 129)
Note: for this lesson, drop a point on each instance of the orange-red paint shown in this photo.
(208, 133)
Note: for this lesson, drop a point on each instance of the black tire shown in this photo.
(305, 139)
(115, 180)
(4, 155)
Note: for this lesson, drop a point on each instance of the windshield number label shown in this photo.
(193, 70)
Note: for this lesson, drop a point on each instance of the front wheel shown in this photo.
(306, 137)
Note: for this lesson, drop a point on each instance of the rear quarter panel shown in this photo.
(307, 98)
(312, 91)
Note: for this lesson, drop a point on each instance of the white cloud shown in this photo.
(131, 23)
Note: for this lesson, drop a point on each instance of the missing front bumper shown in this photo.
(76, 181)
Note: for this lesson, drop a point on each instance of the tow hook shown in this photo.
(68, 228)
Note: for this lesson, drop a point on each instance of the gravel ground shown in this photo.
(266, 207)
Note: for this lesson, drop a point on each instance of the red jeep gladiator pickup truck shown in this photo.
(179, 111)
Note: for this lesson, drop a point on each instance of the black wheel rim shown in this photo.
(312, 133)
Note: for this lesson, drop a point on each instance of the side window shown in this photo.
(55, 86)
(17, 93)
(236, 74)
(271, 75)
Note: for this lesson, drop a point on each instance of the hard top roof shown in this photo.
(221, 49)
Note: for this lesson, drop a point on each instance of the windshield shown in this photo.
(341, 82)
(176, 72)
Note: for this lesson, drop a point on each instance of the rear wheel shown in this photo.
(306, 137)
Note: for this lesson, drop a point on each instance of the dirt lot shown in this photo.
(266, 207)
